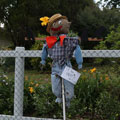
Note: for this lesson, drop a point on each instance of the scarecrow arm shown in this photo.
(44, 55)
(78, 56)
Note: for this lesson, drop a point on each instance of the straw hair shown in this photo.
(53, 19)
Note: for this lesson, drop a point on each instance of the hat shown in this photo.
(53, 19)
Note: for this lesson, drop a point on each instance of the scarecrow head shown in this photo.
(57, 24)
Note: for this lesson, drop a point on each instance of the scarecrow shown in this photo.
(60, 48)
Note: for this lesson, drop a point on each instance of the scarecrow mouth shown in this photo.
(56, 29)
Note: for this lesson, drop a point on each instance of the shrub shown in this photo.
(111, 42)
(88, 89)
(44, 102)
(6, 94)
(107, 106)
(7, 64)
(72, 34)
(97, 96)
(35, 62)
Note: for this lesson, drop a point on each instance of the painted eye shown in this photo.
(53, 24)
(59, 22)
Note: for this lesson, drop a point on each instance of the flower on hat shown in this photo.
(44, 20)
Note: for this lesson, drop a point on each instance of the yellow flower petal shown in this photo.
(92, 70)
(44, 20)
(31, 89)
(43, 23)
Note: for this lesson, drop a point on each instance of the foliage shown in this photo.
(2, 61)
(94, 18)
(88, 89)
(96, 96)
(90, 19)
(21, 18)
(45, 102)
(88, 99)
(6, 94)
(108, 106)
(111, 42)
(72, 34)
(110, 18)
(9, 65)
(35, 62)
(41, 36)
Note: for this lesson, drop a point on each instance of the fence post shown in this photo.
(19, 83)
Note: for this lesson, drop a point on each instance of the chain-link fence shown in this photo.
(19, 54)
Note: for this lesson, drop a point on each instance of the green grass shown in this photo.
(34, 75)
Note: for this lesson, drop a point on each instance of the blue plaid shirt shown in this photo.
(61, 54)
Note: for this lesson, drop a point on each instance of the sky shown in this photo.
(99, 0)
(96, 1)
(1, 25)
(100, 6)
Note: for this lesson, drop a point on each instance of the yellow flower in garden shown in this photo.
(44, 20)
(37, 85)
(31, 89)
(92, 70)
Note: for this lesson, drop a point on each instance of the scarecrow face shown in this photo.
(60, 26)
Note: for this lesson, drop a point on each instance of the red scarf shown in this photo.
(51, 40)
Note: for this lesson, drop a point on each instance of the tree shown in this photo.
(22, 16)
(112, 40)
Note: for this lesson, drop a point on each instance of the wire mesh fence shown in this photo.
(20, 54)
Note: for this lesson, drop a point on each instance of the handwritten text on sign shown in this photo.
(70, 75)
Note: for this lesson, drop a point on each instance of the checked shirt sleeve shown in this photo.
(78, 56)
(44, 55)
(72, 44)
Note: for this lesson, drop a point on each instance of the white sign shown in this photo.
(70, 75)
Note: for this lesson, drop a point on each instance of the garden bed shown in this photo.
(97, 95)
